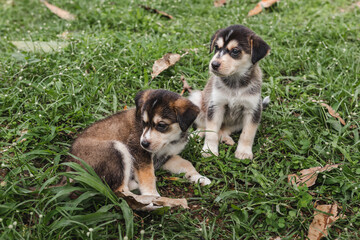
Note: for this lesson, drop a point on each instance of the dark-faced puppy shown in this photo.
(126, 148)
(231, 100)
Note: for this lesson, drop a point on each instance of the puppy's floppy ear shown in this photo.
(186, 112)
(213, 39)
(140, 98)
(259, 48)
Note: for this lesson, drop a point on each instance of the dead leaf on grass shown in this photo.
(164, 63)
(322, 221)
(261, 5)
(309, 176)
(171, 178)
(59, 12)
(37, 46)
(219, 3)
(153, 10)
(333, 113)
(149, 203)
(186, 86)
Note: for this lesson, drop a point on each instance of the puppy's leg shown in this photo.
(145, 175)
(127, 165)
(244, 148)
(178, 165)
(224, 135)
(215, 116)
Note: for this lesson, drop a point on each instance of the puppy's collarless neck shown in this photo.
(239, 81)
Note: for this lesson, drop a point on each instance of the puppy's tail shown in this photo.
(266, 102)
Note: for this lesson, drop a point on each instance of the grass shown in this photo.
(46, 99)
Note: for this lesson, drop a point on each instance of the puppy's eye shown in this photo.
(235, 51)
(216, 48)
(161, 126)
(144, 123)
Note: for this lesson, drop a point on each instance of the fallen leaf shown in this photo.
(153, 10)
(219, 3)
(321, 222)
(164, 63)
(333, 113)
(261, 5)
(309, 176)
(186, 86)
(59, 12)
(126, 107)
(65, 35)
(150, 203)
(47, 47)
(171, 178)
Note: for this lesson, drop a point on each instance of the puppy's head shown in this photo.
(164, 116)
(237, 48)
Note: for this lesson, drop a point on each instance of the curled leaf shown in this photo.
(333, 113)
(261, 5)
(324, 216)
(59, 12)
(164, 63)
(150, 203)
(309, 176)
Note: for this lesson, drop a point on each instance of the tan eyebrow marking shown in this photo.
(232, 44)
(220, 42)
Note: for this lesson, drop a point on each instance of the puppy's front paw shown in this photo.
(244, 153)
(202, 180)
(207, 150)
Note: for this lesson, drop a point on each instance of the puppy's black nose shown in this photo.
(215, 65)
(145, 144)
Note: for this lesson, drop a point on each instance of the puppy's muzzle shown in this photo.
(145, 144)
(215, 65)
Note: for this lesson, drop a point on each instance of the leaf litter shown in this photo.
(150, 203)
(309, 176)
(324, 217)
(333, 113)
(261, 5)
(164, 63)
(219, 3)
(59, 12)
(38, 46)
(154, 10)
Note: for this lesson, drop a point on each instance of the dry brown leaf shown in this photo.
(59, 12)
(171, 178)
(126, 107)
(333, 113)
(149, 203)
(309, 176)
(164, 63)
(321, 222)
(261, 5)
(186, 86)
(219, 3)
(153, 10)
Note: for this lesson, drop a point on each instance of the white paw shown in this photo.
(243, 153)
(207, 150)
(202, 180)
(227, 140)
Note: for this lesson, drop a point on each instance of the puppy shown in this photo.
(231, 100)
(126, 148)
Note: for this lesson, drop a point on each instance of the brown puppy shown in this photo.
(231, 100)
(126, 148)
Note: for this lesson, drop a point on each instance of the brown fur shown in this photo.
(113, 146)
